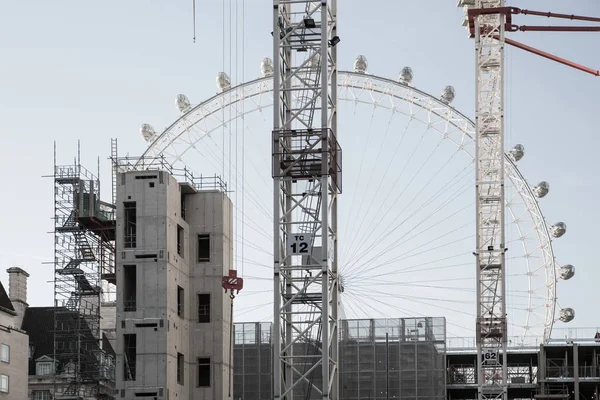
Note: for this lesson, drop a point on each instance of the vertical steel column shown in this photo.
(307, 179)
(491, 327)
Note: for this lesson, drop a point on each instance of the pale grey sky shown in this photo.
(95, 70)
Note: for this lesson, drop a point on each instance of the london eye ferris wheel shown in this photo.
(407, 211)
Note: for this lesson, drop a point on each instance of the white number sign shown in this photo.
(299, 243)
(490, 356)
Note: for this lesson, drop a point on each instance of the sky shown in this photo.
(91, 71)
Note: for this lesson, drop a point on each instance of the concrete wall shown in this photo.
(211, 213)
(108, 322)
(16, 368)
(158, 209)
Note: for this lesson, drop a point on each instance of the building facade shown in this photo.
(380, 359)
(174, 245)
(560, 369)
(14, 342)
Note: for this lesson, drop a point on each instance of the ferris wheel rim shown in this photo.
(436, 107)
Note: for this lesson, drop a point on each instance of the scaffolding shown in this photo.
(84, 270)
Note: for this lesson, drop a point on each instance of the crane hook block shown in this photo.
(233, 282)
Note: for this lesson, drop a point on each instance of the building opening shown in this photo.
(130, 225)
(129, 287)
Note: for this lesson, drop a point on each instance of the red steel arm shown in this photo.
(509, 11)
(515, 10)
(551, 56)
(536, 28)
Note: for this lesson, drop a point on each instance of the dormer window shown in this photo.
(44, 366)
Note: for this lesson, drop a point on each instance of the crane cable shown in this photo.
(231, 296)
(194, 18)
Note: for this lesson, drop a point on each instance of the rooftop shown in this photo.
(5, 303)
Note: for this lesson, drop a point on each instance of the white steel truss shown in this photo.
(307, 179)
(491, 330)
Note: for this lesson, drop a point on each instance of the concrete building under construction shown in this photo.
(174, 245)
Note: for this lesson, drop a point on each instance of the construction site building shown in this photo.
(380, 359)
(173, 320)
(566, 368)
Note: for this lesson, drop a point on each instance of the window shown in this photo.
(4, 353)
(129, 287)
(204, 308)
(180, 366)
(129, 356)
(41, 395)
(180, 297)
(204, 248)
(180, 235)
(204, 372)
(183, 206)
(130, 224)
(3, 384)
(44, 368)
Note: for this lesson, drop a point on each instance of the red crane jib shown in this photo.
(233, 282)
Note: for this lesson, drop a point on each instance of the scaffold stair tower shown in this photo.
(83, 271)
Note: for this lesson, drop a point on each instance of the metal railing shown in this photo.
(160, 163)
(514, 343)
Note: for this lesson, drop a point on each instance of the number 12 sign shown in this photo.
(299, 243)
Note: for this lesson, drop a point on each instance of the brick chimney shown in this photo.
(17, 292)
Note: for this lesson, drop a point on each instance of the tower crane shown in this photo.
(487, 22)
(306, 170)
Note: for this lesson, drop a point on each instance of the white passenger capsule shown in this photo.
(517, 152)
(448, 95)
(566, 314)
(183, 103)
(360, 64)
(148, 132)
(406, 76)
(266, 67)
(541, 189)
(566, 272)
(223, 82)
(558, 229)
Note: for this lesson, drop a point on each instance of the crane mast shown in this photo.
(491, 326)
(306, 169)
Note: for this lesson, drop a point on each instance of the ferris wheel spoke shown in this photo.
(362, 157)
(357, 227)
(435, 196)
(371, 265)
(381, 206)
(419, 301)
(400, 242)
(410, 269)
(387, 282)
(385, 174)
